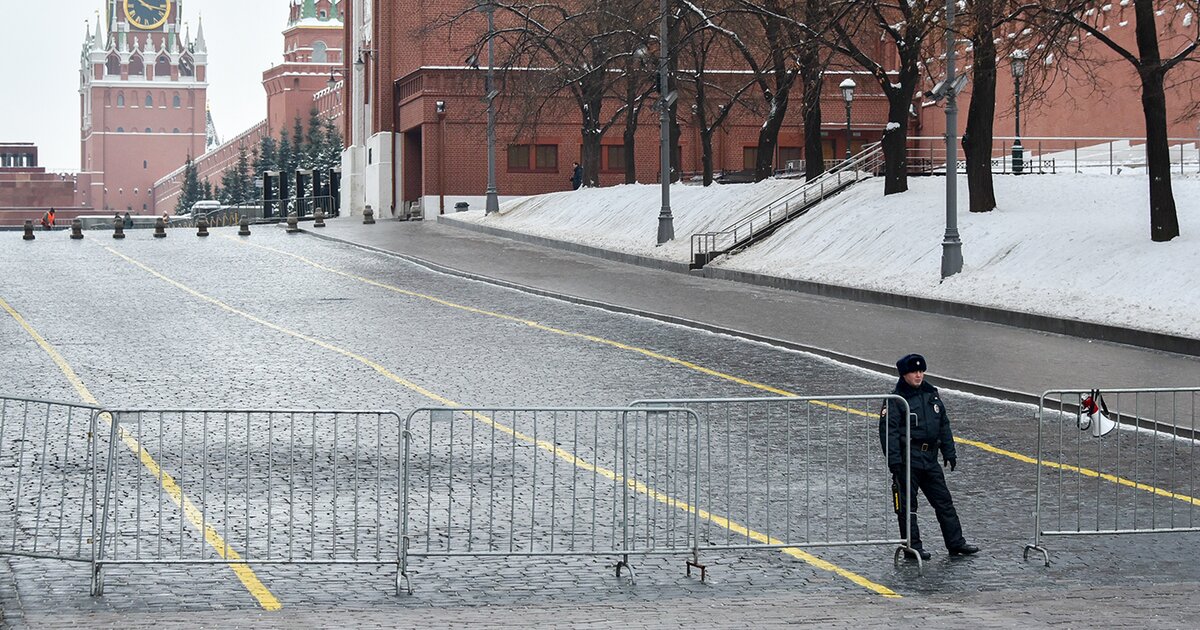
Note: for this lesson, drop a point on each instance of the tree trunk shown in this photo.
(977, 140)
(706, 156)
(814, 150)
(629, 144)
(768, 138)
(1164, 222)
(590, 158)
(895, 143)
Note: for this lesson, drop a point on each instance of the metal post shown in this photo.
(848, 105)
(493, 199)
(952, 260)
(666, 223)
(1018, 151)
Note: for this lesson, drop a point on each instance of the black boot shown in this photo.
(965, 550)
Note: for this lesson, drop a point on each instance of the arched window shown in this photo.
(162, 67)
(136, 67)
(162, 99)
(149, 100)
(113, 67)
(148, 130)
(120, 130)
(186, 67)
(318, 54)
(133, 98)
(120, 99)
(175, 101)
(175, 130)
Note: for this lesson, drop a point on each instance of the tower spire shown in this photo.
(200, 45)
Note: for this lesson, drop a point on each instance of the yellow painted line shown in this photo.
(710, 372)
(169, 485)
(542, 444)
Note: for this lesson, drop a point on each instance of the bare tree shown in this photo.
(980, 23)
(1085, 21)
(580, 49)
(906, 26)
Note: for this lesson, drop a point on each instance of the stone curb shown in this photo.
(1044, 323)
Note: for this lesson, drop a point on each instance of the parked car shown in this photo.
(204, 206)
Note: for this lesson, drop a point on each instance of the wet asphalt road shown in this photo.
(223, 322)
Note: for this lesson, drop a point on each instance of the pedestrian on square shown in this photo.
(128, 220)
(930, 433)
(576, 176)
(48, 219)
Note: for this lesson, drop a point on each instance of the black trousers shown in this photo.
(932, 482)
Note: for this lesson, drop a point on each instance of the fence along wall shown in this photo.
(550, 481)
(48, 475)
(1139, 477)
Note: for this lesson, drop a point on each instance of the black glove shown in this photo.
(950, 461)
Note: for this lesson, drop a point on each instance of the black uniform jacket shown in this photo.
(930, 426)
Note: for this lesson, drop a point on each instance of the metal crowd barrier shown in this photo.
(783, 472)
(191, 486)
(490, 481)
(48, 475)
(1130, 467)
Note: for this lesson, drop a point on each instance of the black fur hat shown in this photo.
(910, 363)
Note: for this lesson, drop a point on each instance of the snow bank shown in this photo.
(1066, 245)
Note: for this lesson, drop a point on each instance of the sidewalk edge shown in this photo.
(1145, 339)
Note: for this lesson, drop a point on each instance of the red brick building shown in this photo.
(142, 94)
(403, 147)
(312, 56)
(27, 191)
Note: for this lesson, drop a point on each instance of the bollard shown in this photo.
(118, 228)
(159, 228)
(368, 216)
(292, 222)
(28, 230)
(76, 229)
(202, 226)
(319, 218)
(244, 227)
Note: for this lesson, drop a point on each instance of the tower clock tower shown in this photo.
(142, 87)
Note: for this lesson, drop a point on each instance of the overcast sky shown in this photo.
(40, 67)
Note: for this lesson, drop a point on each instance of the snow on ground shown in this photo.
(1065, 245)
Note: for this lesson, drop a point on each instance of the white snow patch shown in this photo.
(1066, 245)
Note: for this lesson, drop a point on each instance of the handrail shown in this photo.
(707, 245)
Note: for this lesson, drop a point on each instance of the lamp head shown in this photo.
(847, 88)
(1018, 58)
(439, 107)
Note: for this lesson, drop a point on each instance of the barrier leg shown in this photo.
(1045, 553)
(624, 562)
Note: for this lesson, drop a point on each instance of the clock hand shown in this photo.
(151, 6)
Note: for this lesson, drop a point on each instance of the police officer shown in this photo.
(930, 433)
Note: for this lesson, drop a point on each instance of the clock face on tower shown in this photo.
(147, 14)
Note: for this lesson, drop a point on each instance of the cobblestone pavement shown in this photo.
(185, 322)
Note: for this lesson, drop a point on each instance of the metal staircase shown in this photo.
(763, 222)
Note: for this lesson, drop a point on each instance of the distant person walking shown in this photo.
(576, 177)
(128, 220)
(930, 433)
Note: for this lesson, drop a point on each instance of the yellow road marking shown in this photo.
(721, 375)
(542, 444)
(242, 570)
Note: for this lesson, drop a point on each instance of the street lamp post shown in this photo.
(952, 260)
(492, 204)
(1018, 71)
(847, 88)
(666, 223)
